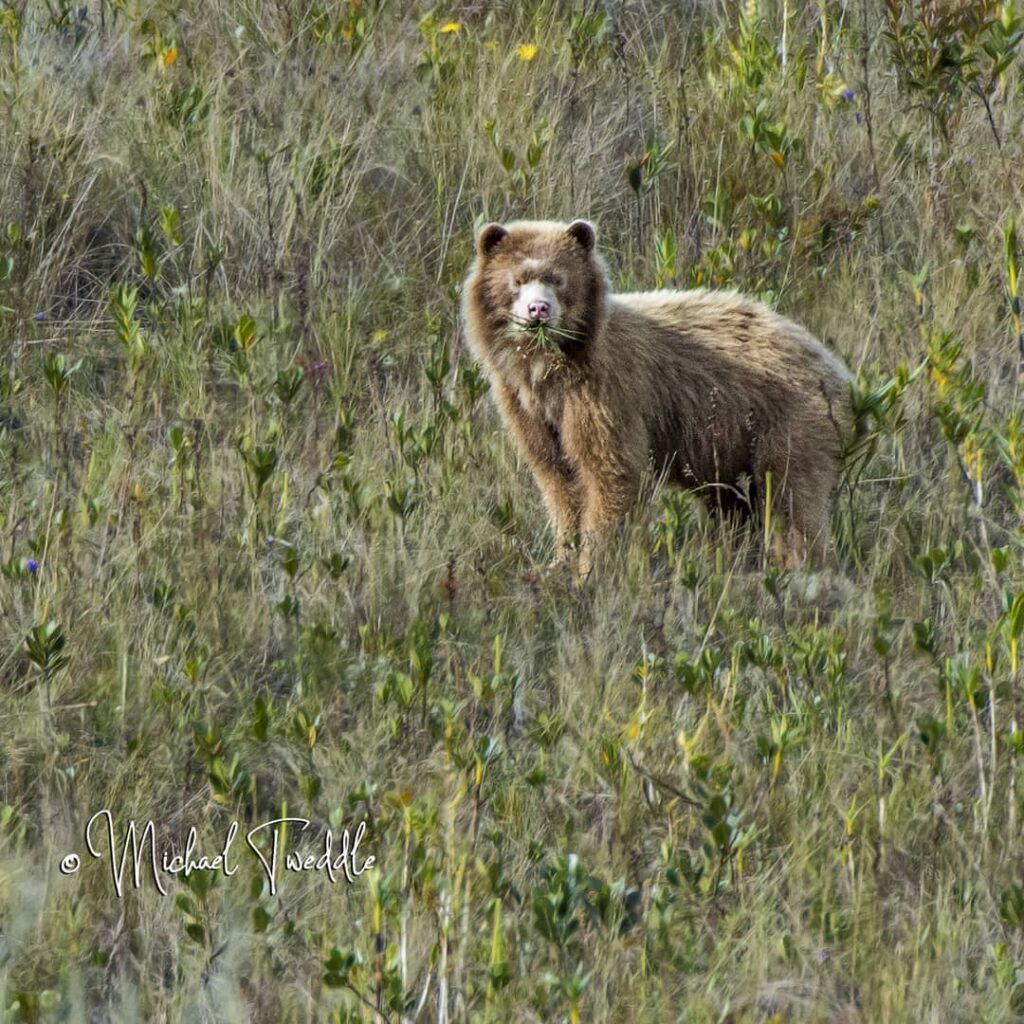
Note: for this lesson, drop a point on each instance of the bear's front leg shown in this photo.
(610, 456)
(556, 477)
(608, 496)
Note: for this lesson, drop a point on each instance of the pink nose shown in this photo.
(539, 309)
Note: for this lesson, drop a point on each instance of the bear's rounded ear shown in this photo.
(583, 232)
(491, 235)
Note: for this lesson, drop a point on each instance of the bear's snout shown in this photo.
(536, 304)
(539, 309)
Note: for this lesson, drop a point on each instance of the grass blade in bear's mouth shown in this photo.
(547, 338)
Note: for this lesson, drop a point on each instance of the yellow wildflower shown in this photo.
(527, 51)
(451, 26)
(168, 56)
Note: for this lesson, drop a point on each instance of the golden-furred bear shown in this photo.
(727, 396)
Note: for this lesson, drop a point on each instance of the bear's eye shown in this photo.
(519, 280)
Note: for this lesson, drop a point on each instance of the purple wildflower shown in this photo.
(969, 161)
(32, 566)
(41, 315)
(848, 94)
(316, 370)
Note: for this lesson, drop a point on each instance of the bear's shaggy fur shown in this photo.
(719, 389)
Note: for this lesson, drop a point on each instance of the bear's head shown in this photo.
(539, 279)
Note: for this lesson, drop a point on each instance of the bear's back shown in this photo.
(725, 328)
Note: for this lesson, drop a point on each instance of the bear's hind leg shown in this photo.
(806, 512)
(800, 510)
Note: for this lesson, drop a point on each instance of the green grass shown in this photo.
(265, 550)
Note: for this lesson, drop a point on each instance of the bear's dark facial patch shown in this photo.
(538, 270)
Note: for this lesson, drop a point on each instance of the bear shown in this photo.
(725, 395)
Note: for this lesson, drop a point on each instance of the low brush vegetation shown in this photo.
(265, 551)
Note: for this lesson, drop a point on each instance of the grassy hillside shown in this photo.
(266, 552)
